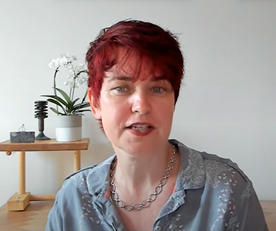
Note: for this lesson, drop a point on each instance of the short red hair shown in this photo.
(148, 40)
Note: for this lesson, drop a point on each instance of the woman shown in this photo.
(151, 183)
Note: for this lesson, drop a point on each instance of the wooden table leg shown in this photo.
(42, 197)
(77, 160)
(19, 201)
(22, 172)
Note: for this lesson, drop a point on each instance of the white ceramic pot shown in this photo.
(68, 128)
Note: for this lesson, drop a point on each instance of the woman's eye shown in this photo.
(120, 89)
(158, 90)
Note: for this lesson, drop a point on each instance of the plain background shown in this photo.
(226, 105)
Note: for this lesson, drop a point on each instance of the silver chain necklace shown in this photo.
(152, 197)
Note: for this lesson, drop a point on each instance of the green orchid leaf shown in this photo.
(57, 98)
(84, 97)
(68, 100)
(82, 105)
(65, 96)
(54, 101)
(79, 108)
(56, 111)
(84, 110)
(74, 101)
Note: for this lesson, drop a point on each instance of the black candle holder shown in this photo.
(41, 113)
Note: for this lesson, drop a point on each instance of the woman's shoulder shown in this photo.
(74, 200)
(91, 180)
(223, 173)
(200, 169)
(222, 186)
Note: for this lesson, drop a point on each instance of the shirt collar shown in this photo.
(98, 179)
(191, 173)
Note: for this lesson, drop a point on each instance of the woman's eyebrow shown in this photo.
(130, 79)
(121, 78)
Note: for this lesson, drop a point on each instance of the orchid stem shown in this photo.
(55, 90)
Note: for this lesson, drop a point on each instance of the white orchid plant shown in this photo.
(65, 103)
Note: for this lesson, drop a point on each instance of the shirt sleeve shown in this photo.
(239, 208)
(54, 222)
(250, 214)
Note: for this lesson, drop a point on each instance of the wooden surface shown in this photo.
(44, 145)
(269, 208)
(35, 216)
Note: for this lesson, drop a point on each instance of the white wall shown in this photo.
(226, 107)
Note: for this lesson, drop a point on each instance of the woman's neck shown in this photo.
(139, 175)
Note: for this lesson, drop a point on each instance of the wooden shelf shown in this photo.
(45, 145)
(19, 201)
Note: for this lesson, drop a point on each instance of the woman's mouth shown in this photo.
(140, 128)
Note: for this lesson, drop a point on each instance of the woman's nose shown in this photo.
(141, 103)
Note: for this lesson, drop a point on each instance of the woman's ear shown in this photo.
(94, 105)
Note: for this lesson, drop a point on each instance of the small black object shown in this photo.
(41, 113)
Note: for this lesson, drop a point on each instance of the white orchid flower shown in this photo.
(69, 83)
(54, 63)
(63, 61)
(77, 76)
(82, 78)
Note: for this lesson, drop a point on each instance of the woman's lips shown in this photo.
(140, 129)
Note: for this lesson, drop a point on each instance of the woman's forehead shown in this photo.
(129, 63)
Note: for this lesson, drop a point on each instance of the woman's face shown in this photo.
(136, 115)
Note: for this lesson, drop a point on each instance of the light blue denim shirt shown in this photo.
(212, 194)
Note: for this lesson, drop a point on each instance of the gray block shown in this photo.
(22, 137)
